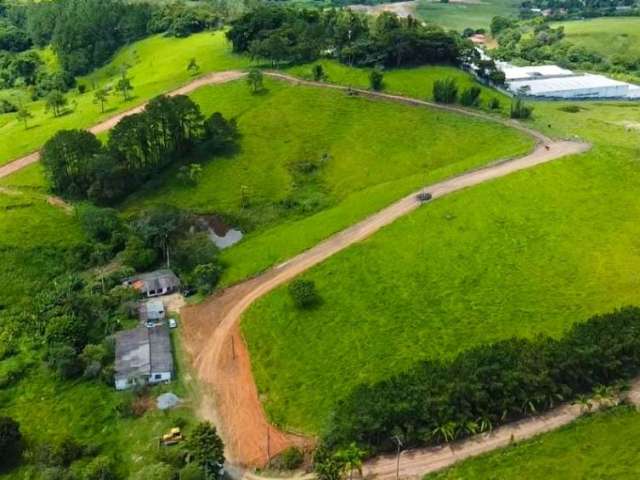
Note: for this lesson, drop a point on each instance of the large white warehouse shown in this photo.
(551, 81)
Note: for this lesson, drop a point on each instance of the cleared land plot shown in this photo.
(602, 445)
(607, 36)
(460, 14)
(157, 64)
(364, 154)
(530, 253)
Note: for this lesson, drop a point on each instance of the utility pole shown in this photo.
(233, 347)
(268, 445)
(396, 438)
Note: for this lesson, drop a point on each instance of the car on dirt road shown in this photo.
(423, 197)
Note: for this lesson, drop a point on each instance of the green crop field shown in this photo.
(459, 15)
(533, 252)
(366, 151)
(601, 445)
(607, 36)
(166, 57)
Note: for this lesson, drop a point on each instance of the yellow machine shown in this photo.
(174, 436)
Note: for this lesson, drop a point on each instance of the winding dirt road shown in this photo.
(211, 330)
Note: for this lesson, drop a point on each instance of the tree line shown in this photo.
(438, 401)
(80, 167)
(281, 34)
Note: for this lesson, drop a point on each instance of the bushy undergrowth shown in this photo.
(439, 401)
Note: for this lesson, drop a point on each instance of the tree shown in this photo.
(221, 133)
(55, 101)
(124, 87)
(494, 103)
(138, 255)
(24, 115)
(318, 72)
(67, 159)
(192, 471)
(11, 445)
(445, 91)
(303, 293)
(205, 448)
(193, 66)
(255, 80)
(376, 79)
(351, 458)
(100, 224)
(520, 110)
(206, 276)
(101, 96)
(65, 361)
(327, 466)
(190, 174)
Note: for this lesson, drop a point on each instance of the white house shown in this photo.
(152, 311)
(143, 355)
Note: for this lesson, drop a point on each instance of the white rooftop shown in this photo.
(534, 72)
(578, 83)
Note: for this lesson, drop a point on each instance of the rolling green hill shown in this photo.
(606, 36)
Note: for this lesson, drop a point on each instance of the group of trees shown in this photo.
(447, 91)
(439, 401)
(84, 34)
(537, 42)
(285, 35)
(79, 167)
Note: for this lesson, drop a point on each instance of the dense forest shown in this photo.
(84, 34)
(286, 35)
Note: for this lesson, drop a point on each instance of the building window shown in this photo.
(157, 376)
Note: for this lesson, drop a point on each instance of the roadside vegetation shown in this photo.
(597, 445)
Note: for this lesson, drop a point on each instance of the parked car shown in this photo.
(173, 323)
(423, 197)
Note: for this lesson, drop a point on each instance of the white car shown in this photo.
(173, 323)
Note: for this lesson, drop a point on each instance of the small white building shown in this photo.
(154, 284)
(152, 311)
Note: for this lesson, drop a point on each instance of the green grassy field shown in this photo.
(165, 57)
(533, 252)
(607, 36)
(602, 445)
(369, 153)
(463, 14)
(411, 82)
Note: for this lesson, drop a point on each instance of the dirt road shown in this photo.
(212, 335)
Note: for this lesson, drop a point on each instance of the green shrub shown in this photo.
(317, 72)
(570, 109)
(303, 293)
(471, 97)
(192, 472)
(438, 401)
(520, 110)
(445, 91)
(494, 104)
(290, 459)
(10, 442)
(376, 79)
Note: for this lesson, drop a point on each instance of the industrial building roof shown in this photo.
(512, 73)
(561, 84)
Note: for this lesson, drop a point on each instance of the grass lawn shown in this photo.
(458, 15)
(601, 445)
(368, 153)
(411, 82)
(157, 64)
(607, 36)
(529, 253)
